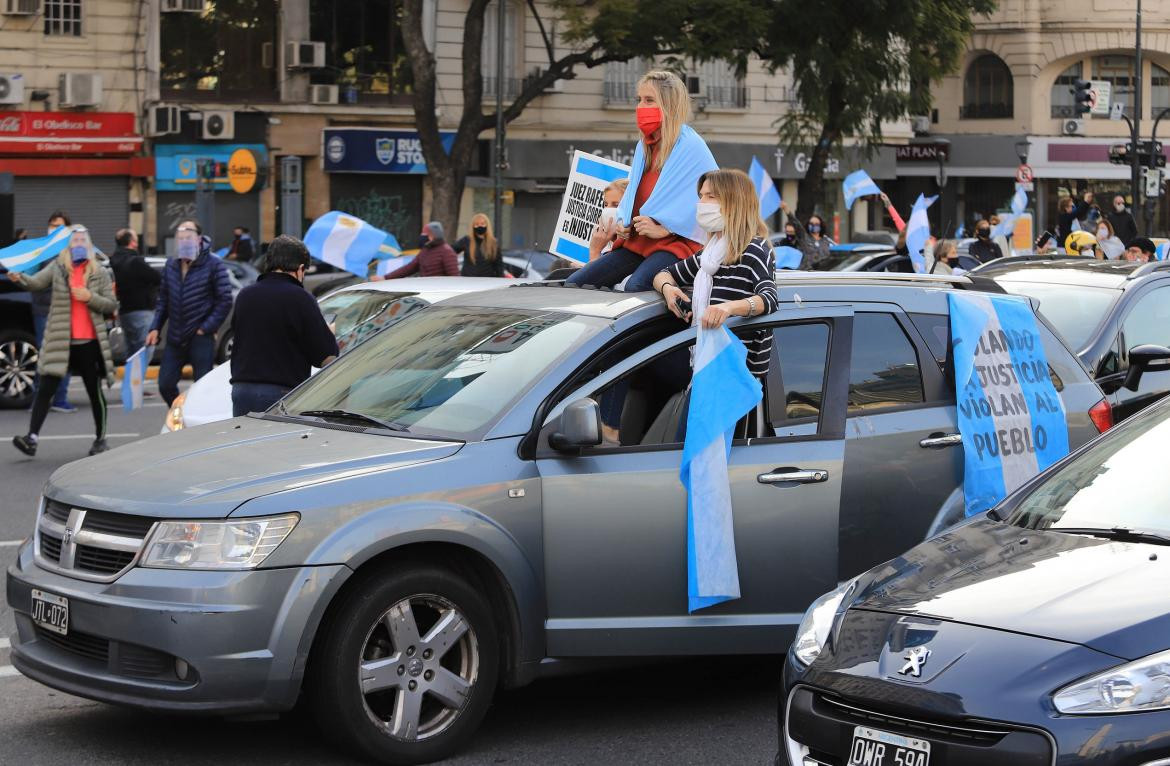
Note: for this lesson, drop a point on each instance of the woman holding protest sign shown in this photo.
(656, 218)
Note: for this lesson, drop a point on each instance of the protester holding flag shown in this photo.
(193, 300)
(1069, 213)
(75, 337)
(797, 237)
(434, 259)
(983, 249)
(656, 217)
(480, 249)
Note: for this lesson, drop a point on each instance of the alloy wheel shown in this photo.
(18, 367)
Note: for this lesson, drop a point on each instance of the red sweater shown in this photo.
(433, 261)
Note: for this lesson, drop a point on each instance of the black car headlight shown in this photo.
(1135, 687)
(817, 622)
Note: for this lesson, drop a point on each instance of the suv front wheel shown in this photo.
(18, 367)
(407, 667)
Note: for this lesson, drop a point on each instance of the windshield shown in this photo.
(354, 315)
(1074, 311)
(445, 371)
(1118, 483)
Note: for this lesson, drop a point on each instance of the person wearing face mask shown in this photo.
(480, 249)
(604, 235)
(75, 337)
(194, 298)
(795, 235)
(1121, 219)
(946, 259)
(1110, 244)
(983, 249)
(278, 330)
(1070, 210)
(656, 217)
(435, 257)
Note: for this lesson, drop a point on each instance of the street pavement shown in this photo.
(711, 710)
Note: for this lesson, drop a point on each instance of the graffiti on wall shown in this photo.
(385, 211)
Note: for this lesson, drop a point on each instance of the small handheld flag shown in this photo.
(918, 232)
(858, 184)
(134, 378)
(765, 189)
(348, 242)
(788, 257)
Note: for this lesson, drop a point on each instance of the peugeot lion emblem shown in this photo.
(915, 659)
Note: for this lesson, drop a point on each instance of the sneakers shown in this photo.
(25, 444)
(99, 445)
(65, 407)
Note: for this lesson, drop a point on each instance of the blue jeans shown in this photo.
(135, 326)
(39, 322)
(255, 397)
(199, 352)
(616, 265)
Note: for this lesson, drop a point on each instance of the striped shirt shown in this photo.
(753, 275)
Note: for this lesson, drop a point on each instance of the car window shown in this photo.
(1074, 311)
(358, 314)
(936, 331)
(1148, 320)
(801, 353)
(883, 368)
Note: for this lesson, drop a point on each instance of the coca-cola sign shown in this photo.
(69, 133)
(10, 124)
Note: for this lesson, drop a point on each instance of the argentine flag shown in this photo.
(348, 242)
(722, 392)
(1019, 200)
(858, 184)
(788, 257)
(26, 255)
(918, 231)
(134, 378)
(765, 189)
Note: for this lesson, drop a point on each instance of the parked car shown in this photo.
(1105, 310)
(356, 312)
(1035, 634)
(18, 348)
(435, 514)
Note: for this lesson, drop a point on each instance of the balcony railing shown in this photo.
(984, 111)
(512, 87)
(619, 92)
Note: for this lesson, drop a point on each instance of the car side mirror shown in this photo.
(1145, 358)
(579, 425)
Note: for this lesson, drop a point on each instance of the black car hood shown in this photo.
(1110, 596)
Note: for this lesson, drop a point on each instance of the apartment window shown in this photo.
(1117, 70)
(1159, 90)
(513, 81)
(63, 18)
(987, 89)
(1062, 92)
(621, 79)
(364, 52)
(227, 52)
(711, 83)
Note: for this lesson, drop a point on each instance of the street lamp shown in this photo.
(942, 151)
(1022, 148)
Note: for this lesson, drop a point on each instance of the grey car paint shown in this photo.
(587, 552)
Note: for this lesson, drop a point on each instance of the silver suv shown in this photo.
(436, 514)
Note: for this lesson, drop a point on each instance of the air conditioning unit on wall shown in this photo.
(163, 120)
(322, 94)
(920, 123)
(219, 125)
(80, 89)
(1072, 127)
(11, 89)
(304, 55)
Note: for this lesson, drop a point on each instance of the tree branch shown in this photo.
(548, 43)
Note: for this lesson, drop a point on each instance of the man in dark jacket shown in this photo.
(435, 259)
(193, 300)
(1124, 226)
(278, 330)
(137, 288)
(241, 248)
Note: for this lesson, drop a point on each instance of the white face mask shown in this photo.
(709, 217)
(608, 216)
(1102, 233)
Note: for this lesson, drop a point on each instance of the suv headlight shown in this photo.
(175, 413)
(1131, 688)
(818, 621)
(234, 544)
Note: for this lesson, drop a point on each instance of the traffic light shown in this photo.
(210, 170)
(1082, 96)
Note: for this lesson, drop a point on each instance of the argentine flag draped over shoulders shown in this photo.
(25, 256)
(672, 203)
(349, 243)
(722, 392)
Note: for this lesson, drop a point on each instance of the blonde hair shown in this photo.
(619, 185)
(675, 103)
(491, 248)
(741, 210)
(66, 260)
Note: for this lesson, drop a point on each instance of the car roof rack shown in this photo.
(788, 277)
(1149, 268)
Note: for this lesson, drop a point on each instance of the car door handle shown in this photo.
(794, 476)
(938, 442)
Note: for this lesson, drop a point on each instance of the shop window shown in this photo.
(365, 55)
(1062, 92)
(224, 53)
(1117, 70)
(987, 89)
(63, 18)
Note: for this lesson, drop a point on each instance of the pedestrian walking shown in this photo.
(983, 249)
(480, 249)
(435, 257)
(1122, 220)
(194, 298)
(241, 248)
(81, 297)
(657, 211)
(278, 329)
(1111, 245)
(41, 301)
(604, 236)
(136, 285)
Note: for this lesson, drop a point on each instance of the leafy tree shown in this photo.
(858, 63)
(595, 32)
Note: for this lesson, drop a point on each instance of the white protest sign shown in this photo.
(589, 174)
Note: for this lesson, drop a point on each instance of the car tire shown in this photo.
(406, 666)
(18, 368)
(226, 343)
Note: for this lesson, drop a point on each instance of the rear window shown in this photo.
(883, 369)
(1074, 311)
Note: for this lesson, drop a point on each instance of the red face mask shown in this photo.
(649, 119)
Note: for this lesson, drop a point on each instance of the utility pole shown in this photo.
(498, 166)
(1136, 160)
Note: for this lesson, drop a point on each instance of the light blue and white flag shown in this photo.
(346, 242)
(1076, 226)
(1010, 416)
(1019, 200)
(672, 202)
(960, 231)
(1006, 226)
(918, 232)
(24, 256)
(858, 184)
(1161, 250)
(722, 392)
(391, 264)
(765, 189)
(788, 257)
(134, 378)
